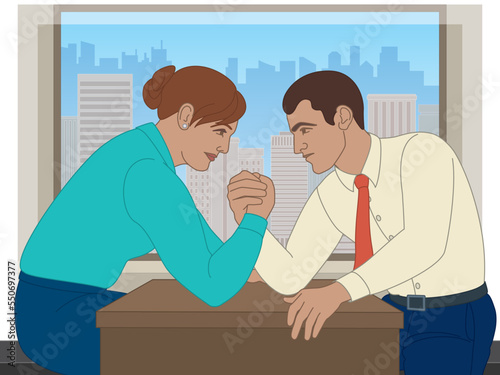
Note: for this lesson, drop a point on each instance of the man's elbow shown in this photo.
(290, 284)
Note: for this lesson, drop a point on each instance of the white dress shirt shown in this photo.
(425, 228)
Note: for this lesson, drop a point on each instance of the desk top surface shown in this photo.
(166, 303)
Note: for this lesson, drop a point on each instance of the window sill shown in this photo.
(336, 266)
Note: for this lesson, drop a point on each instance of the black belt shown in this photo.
(420, 303)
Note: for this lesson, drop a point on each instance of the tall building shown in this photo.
(287, 70)
(289, 172)
(130, 62)
(222, 169)
(159, 56)
(209, 188)
(394, 71)
(68, 54)
(306, 66)
(334, 60)
(428, 118)
(199, 186)
(251, 159)
(232, 69)
(355, 56)
(390, 115)
(264, 73)
(69, 148)
(87, 55)
(104, 110)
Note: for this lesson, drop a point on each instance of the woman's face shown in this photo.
(205, 142)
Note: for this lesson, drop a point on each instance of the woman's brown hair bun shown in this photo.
(213, 95)
(152, 91)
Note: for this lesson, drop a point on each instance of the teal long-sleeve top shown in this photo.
(127, 200)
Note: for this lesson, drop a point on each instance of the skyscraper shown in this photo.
(104, 110)
(199, 185)
(159, 56)
(68, 55)
(355, 55)
(87, 55)
(223, 168)
(130, 62)
(251, 159)
(289, 172)
(69, 148)
(306, 66)
(287, 70)
(428, 118)
(232, 69)
(390, 115)
(334, 61)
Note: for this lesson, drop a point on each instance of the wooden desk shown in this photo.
(161, 328)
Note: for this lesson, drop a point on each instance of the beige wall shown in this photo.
(467, 57)
(35, 139)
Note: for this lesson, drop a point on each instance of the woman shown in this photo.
(125, 201)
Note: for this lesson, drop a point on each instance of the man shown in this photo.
(407, 204)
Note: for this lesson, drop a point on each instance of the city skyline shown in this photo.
(210, 45)
(264, 116)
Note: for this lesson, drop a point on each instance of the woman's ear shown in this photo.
(185, 115)
(343, 117)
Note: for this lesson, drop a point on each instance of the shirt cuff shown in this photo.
(254, 223)
(355, 286)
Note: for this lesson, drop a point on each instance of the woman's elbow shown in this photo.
(214, 302)
(216, 299)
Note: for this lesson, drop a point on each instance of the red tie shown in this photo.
(363, 240)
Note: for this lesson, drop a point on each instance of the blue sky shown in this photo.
(220, 17)
(208, 43)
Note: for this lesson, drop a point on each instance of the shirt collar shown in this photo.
(371, 168)
(156, 138)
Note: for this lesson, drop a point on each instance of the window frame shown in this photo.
(48, 68)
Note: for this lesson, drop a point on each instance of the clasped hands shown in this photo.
(251, 193)
(254, 193)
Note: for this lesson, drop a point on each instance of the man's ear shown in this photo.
(185, 115)
(343, 117)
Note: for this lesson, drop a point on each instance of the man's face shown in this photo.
(319, 142)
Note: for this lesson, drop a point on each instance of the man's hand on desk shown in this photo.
(314, 307)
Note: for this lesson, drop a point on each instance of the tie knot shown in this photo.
(361, 181)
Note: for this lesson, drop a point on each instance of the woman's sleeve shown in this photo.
(213, 241)
(157, 200)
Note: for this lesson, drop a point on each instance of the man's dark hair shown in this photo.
(326, 90)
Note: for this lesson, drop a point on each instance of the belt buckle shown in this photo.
(415, 302)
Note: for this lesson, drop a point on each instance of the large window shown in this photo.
(106, 57)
